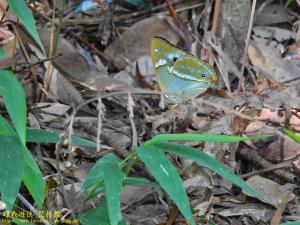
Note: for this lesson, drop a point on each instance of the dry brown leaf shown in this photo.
(268, 60)
(271, 190)
(70, 64)
(135, 41)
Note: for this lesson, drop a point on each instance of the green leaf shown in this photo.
(291, 223)
(107, 169)
(5, 129)
(49, 136)
(21, 10)
(165, 173)
(203, 137)
(113, 178)
(2, 53)
(12, 168)
(95, 175)
(287, 3)
(291, 134)
(98, 216)
(14, 100)
(32, 178)
(205, 160)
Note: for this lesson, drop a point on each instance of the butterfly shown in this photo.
(180, 75)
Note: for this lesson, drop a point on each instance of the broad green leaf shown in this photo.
(2, 53)
(14, 100)
(95, 175)
(165, 173)
(32, 178)
(205, 160)
(203, 137)
(49, 136)
(97, 216)
(12, 168)
(21, 10)
(113, 178)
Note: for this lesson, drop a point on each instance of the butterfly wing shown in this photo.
(197, 76)
(181, 76)
(163, 56)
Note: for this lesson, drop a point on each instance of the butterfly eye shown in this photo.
(175, 59)
(203, 75)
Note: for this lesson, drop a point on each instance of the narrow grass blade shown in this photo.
(98, 216)
(12, 168)
(49, 136)
(21, 10)
(165, 173)
(95, 175)
(291, 134)
(205, 160)
(113, 179)
(203, 137)
(32, 178)
(14, 100)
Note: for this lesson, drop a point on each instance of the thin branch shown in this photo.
(241, 82)
(32, 209)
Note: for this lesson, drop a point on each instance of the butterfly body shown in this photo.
(181, 76)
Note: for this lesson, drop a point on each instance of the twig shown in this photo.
(298, 2)
(32, 209)
(216, 16)
(252, 156)
(100, 97)
(49, 71)
(58, 147)
(241, 82)
(243, 116)
(268, 169)
(100, 113)
(27, 58)
(122, 18)
(173, 14)
(96, 51)
(131, 116)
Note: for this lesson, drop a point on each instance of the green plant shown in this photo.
(16, 161)
(291, 134)
(287, 3)
(107, 174)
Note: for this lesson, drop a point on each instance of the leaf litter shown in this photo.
(107, 49)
